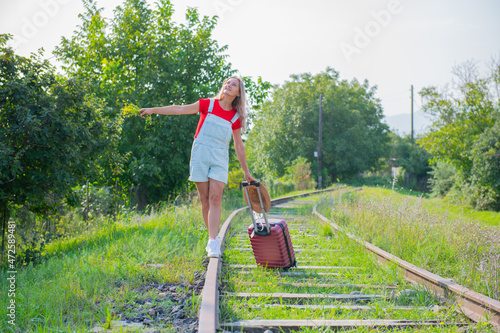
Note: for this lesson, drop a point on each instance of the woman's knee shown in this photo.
(215, 193)
(204, 199)
(215, 199)
(203, 192)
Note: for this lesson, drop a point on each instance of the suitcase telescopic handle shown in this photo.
(245, 190)
(245, 183)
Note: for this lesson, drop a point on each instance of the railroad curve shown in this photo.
(342, 290)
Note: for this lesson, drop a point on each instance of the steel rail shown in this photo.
(475, 306)
(208, 321)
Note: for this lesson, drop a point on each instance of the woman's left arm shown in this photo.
(240, 152)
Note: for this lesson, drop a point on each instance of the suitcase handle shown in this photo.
(245, 190)
(245, 183)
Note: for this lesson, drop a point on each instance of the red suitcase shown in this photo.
(271, 243)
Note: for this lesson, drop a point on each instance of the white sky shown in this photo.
(392, 43)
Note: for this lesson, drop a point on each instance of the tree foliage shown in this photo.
(485, 174)
(141, 57)
(442, 178)
(413, 159)
(300, 174)
(50, 130)
(463, 134)
(354, 139)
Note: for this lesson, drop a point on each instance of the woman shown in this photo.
(219, 118)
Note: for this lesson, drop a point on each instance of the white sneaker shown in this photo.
(213, 248)
(218, 241)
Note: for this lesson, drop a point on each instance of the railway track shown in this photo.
(338, 284)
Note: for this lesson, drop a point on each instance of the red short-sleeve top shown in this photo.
(217, 111)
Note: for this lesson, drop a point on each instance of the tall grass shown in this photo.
(365, 276)
(466, 252)
(82, 276)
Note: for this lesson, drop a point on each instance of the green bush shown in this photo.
(481, 186)
(377, 181)
(414, 161)
(300, 174)
(298, 177)
(443, 178)
(235, 177)
(484, 187)
(279, 187)
(100, 200)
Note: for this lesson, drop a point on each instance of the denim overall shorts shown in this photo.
(210, 152)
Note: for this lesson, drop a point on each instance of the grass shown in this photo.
(86, 277)
(443, 206)
(84, 280)
(320, 246)
(414, 229)
(433, 329)
(438, 205)
(298, 192)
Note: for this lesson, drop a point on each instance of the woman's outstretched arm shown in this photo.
(240, 152)
(172, 109)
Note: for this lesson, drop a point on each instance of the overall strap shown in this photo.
(236, 116)
(211, 107)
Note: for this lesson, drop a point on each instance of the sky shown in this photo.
(391, 43)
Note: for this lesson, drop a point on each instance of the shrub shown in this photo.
(235, 177)
(300, 174)
(484, 184)
(443, 177)
(279, 187)
(100, 200)
(382, 181)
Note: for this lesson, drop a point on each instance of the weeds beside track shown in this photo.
(338, 285)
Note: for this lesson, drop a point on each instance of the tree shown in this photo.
(257, 93)
(141, 57)
(50, 128)
(442, 178)
(462, 132)
(485, 174)
(413, 159)
(354, 139)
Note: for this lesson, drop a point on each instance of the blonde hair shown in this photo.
(239, 102)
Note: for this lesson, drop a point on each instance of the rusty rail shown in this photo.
(209, 309)
(475, 306)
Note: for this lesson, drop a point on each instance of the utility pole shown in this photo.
(319, 139)
(412, 113)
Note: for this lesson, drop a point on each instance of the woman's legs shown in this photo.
(215, 199)
(211, 198)
(203, 194)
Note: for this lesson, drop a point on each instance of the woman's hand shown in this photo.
(146, 112)
(249, 178)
